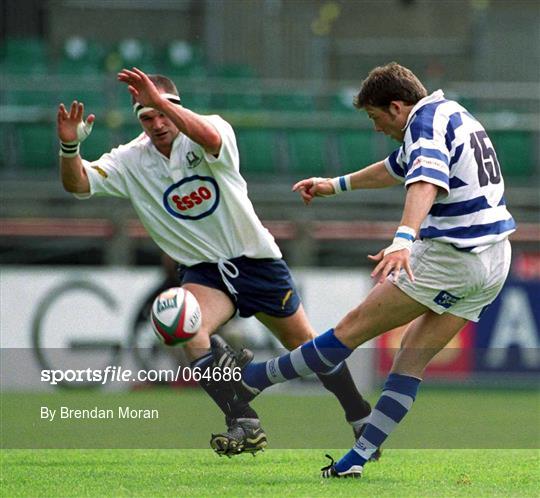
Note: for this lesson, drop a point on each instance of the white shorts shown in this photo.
(458, 282)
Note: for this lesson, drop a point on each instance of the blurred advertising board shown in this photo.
(87, 316)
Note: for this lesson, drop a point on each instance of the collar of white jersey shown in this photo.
(434, 97)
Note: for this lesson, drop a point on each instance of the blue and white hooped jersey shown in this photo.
(194, 205)
(445, 145)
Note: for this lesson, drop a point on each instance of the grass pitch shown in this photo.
(439, 419)
(281, 473)
(169, 457)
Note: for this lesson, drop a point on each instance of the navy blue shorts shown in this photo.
(261, 285)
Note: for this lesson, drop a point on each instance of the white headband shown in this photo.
(139, 109)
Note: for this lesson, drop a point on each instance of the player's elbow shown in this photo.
(212, 143)
(74, 179)
(68, 187)
(76, 186)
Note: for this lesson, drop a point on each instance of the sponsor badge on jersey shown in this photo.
(192, 198)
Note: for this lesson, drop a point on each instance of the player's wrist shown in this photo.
(341, 184)
(403, 239)
(70, 149)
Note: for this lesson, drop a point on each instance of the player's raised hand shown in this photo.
(70, 125)
(313, 187)
(140, 86)
(392, 263)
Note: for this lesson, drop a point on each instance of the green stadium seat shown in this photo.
(191, 71)
(356, 149)
(293, 102)
(199, 102)
(469, 103)
(343, 101)
(183, 59)
(307, 152)
(37, 146)
(94, 100)
(244, 101)
(31, 48)
(5, 146)
(97, 143)
(120, 98)
(129, 132)
(385, 144)
(81, 56)
(257, 149)
(234, 71)
(26, 56)
(516, 152)
(132, 52)
(39, 98)
(78, 67)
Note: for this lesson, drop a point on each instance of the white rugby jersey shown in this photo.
(445, 145)
(195, 206)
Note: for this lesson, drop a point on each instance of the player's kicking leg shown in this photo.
(292, 331)
(228, 357)
(295, 330)
(385, 308)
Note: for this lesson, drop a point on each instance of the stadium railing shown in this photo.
(41, 224)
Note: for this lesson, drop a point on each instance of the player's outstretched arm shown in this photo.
(72, 130)
(373, 176)
(188, 122)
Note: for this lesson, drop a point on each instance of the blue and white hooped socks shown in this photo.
(319, 355)
(399, 393)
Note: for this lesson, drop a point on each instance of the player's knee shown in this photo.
(295, 335)
(295, 341)
(199, 345)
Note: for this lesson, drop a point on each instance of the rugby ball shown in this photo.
(176, 316)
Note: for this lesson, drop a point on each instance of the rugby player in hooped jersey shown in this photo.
(448, 261)
(182, 177)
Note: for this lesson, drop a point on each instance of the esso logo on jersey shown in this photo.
(192, 198)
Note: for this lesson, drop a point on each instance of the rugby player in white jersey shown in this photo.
(182, 177)
(448, 260)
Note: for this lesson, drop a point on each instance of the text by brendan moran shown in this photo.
(96, 413)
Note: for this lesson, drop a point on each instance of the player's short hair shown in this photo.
(164, 84)
(385, 84)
